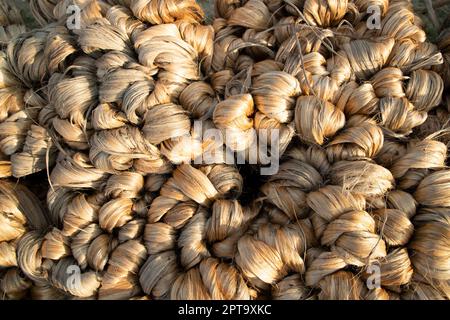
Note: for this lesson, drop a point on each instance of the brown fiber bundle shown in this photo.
(27, 64)
(126, 110)
(11, 22)
(114, 114)
(191, 236)
(94, 249)
(283, 70)
(49, 11)
(20, 212)
(357, 93)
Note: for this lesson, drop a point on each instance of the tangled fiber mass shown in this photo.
(108, 111)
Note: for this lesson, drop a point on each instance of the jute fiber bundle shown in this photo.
(119, 99)
(363, 216)
(11, 22)
(344, 87)
(191, 235)
(356, 94)
(20, 212)
(87, 206)
(111, 112)
(358, 208)
(438, 121)
(56, 11)
(430, 253)
(27, 64)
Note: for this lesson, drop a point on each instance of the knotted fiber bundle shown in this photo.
(31, 60)
(351, 191)
(125, 112)
(20, 212)
(444, 45)
(111, 111)
(97, 232)
(429, 247)
(323, 81)
(363, 220)
(27, 64)
(357, 98)
(154, 12)
(56, 11)
(191, 234)
(345, 231)
(56, 48)
(11, 22)
(72, 118)
(438, 121)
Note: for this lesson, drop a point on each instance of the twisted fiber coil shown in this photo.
(191, 234)
(151, 11)
(37, 153)
(206, 243)
(429, 245)
(20, 212)
(353, 121)
(11, 22)
(27, 64)
(439, 121)
(125, 113)
(113, 158)
(361, 215)
(189, 43)
(317, 80)
(353, 190)
(56, 11)
(83, 238)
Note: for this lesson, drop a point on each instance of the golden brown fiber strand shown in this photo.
(121, 111)
(20, 212)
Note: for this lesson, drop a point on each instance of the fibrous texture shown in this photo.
(20, 214)
(154, 130)
(27, 63)
(115, 117)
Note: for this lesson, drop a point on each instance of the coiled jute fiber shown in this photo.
(110, 112)
(362, 185)
(20, 213)
(26, 64)
(11, 22)
(438, 121)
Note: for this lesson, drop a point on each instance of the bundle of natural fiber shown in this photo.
(113, 112)
(362, 219)
(20, 212)
(430, 245)
(27, 64)
(97, 249)
(444, 45)
(58, 11)
(191, 234)
(286, 68)
(153, 12)
(31, 60)
(439, 121)
(129, 78)
(358, 208)
(11, 22)
(354, 92)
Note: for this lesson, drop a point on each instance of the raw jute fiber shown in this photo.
(358, 208)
